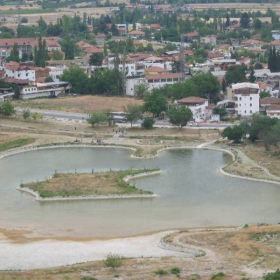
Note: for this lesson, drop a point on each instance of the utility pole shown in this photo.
(18, 11)
(182, 58)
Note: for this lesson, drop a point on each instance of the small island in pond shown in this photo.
(101, 185)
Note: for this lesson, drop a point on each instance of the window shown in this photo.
(250, 111)
(156, 80)
(250, 104)
(250, 98)
(240, 98)
(245, 111)
(169, 80)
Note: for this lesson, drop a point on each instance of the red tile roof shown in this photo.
(93, 50)
(269, 100)
(274, 107)
(156, 69)
(136, 32)
(192, 34)
(275, 43)
(155, 25)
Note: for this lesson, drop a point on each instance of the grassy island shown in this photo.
(87, 184)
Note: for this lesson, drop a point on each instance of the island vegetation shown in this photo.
(88, 184)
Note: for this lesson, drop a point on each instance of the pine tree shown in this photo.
(14, 56)
(227, 20)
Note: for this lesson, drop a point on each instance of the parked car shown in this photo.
(194, 124)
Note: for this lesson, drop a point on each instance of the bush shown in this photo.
(272, 276)
(175, 270)
(161, 272)
(218, 276)
(88, 278)
(148, 123)
(113, 261)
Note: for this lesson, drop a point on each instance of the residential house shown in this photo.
(91, 50)
(6, 94)
(197, 105)
(275, 34)
(17, 71)
(25, 45)
(160, 80)
(192, 36)
(210, 39)
(136, 34)
(269, 101)
(247, 98)
(273, 111)
(100, 37)
(154, 70)
(275, 44)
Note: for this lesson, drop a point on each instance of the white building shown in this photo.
(131, 84)
(160, 80)
(16, 71)
(56, 72)
(197, 105)
(51, 89)
(247, 98)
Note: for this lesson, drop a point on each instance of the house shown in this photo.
(155, 26)
(245, 60)
(100, 37)
(160, 80)
(192, 36)
(273, 111)
(252, 43)
(154, 70)
(256, 37)
(17, 71)
(136, 34)
(210, 39)
(25, 45)
(44, 89)
(269, 101)
(247, 98)
(275, 44)
(275, 34)
(6, 94)
(83, 45)
(131, 84)
(197, 105)
(234, 26)
(188, 53)
(91, 50)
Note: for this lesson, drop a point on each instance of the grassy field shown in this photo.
(10, 142)
(79, 104)
(103, 183)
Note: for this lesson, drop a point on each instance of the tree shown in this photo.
(245, 20)
(224, 86)
(227, 20)
(49, 79)
(154, 102)
(96, 59)
(260, 125)
(24, 20)
(148, 123)
(36, 116)
(264, 94)
(7, 109)
(26, 114)
(179, 116)
(97, 118)
(113, 261)
(272, 136)
(220, 111)
(252, 77)
(78, 79)
(141, 89)
(236, 74)
(235, 133)
(14, 56)
(57, 55)
(132, 113)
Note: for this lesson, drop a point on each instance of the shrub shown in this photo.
(161, 272)
(175, 270)
(218, 276)
(88, 278)
(148, 123)
(113, 261)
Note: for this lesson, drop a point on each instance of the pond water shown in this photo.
(191, 193)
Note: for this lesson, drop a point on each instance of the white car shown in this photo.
(194, 124)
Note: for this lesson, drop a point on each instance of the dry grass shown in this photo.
(80, 104)
(13, 141)
(267, 159)
(103, 183)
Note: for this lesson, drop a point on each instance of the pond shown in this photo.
(191, 193)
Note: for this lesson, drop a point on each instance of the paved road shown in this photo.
(77, 116)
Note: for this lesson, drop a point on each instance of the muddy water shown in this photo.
(190, 191)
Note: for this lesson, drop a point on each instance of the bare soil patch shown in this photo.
(80, 104)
